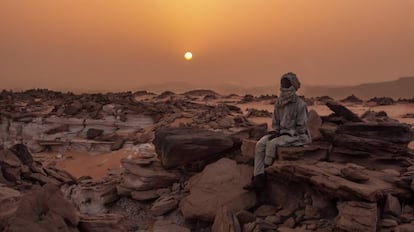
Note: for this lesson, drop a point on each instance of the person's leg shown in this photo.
(258, 180)
(260, 155)
(272, 145)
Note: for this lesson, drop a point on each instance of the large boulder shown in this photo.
(44, 209)
(220, 183)
(180, 146)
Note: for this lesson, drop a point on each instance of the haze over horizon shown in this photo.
(125, 44)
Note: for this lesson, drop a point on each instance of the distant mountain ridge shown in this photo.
(400, 88)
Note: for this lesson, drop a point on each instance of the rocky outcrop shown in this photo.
(356, 216)
(44, 209)
(220, 183)
(17, 167)
(102, 223)
(328, 178)
(251, 112)
(181, 146)
(352, 99)
(342, 111)
(379, 145)
(92, 196)
(146, 174)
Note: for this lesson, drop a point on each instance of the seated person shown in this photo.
(289, 126)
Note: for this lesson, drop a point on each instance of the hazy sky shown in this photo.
(123, 44)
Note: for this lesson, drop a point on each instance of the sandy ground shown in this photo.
(94, 165)
(98, 165)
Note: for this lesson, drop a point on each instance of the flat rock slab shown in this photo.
(327, 177)
(180, 146)
(386, 131)
(102, 223)
(146, 174)
(314, 151)
(220, 183)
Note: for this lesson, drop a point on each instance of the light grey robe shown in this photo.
(290, 121)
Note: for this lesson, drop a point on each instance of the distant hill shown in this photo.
(401, 88)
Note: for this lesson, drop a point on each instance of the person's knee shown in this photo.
(261, 145)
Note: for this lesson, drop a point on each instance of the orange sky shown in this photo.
(124, 44)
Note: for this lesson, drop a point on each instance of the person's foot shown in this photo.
(258, 182)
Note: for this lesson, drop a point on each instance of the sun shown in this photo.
(188, 56)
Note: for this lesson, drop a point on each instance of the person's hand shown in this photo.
(268, 160)
(273, 134)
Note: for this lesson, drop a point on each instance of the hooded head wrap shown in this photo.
(293, 79)
(288, 95)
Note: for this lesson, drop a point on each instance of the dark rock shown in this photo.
(72, 109)
(408, 115)
(93, 133)
(251, 227)
(247, 98)
(179, 146)
(324, 99)
(201, 92)
(251, 112)
(372, 116)
(163, 205)
(382, 101)
(144, 195)
(23, 154)
(58, 129)
(355, 173)
(341, 110)
(265, 210)
(388, 223)
(290, 222)
(119, 143)
(392, 206)
(245, 216)
(391, 132)
(352, 99)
